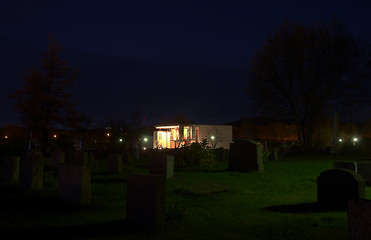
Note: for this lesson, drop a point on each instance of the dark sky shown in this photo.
(160, 58)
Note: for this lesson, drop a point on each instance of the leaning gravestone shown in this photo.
(11, 166)
(31, 174)
(162, 165)
(335, 187)
(345, 165)
(74, 184)
(57, 158)
(364, 169)
(115, 163)
(359, 219)
(246, 156)
(146, 200)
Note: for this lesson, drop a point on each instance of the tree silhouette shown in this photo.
(303, 71)
(44, 100)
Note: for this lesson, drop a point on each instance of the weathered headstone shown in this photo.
(365, 148)
(359, 219)
(31, 174)
(146, 200)
(115, 163)
(335, 187)
(364, 169)
(81, 158)
(275, 154)
(246, 156)
(162, 165)
(11, 165)
(345, 165)
(74, 184)
(57, 158)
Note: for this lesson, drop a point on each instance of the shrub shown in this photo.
(195, 155)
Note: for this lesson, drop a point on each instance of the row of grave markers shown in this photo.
(145, 192)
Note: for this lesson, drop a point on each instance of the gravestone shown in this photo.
(335, 187)
(74, 184)
(80, 158)
(246, 156)
(115, 163)
(31, 173)
(161, 164)
(365, 147)
(359, 219)
(10, 172)
(146, 200)
(364, 169)
(57, 158)
(345, 165)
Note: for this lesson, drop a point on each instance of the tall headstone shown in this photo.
(359, 219)
(146, 200)
(31, 176)
(345, 165)
(364, 169)
(115, 163)
(365, 147)
(11, 165)
(74, 184)
(335, 187)
(162, 165)
(246, 156)
(81, 158)
(57, 158)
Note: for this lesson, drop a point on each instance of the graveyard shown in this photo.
(278, 201)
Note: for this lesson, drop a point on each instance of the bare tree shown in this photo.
(303, 71)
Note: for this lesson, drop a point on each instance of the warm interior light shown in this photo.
(55, 135)
(107, 134)
(6, 136)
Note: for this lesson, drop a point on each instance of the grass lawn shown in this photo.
(201, 204)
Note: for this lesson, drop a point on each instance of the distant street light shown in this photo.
(145, 139)
(212, 137)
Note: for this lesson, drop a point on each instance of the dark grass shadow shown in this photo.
(36, 206)
(96, 231)
(312, 207)
(201, 170)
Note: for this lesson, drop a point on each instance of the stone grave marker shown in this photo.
(359, 219)
(335, 187)
(365, 147)
(81, 158)
(161, 164)
(10, 172)
(74, 184)
(246, 156)
(345, 165)
(364, 169)
(57, 158)
(115, 163)
(31, 173)
(146, 200)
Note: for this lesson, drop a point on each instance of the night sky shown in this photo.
(160, 58)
